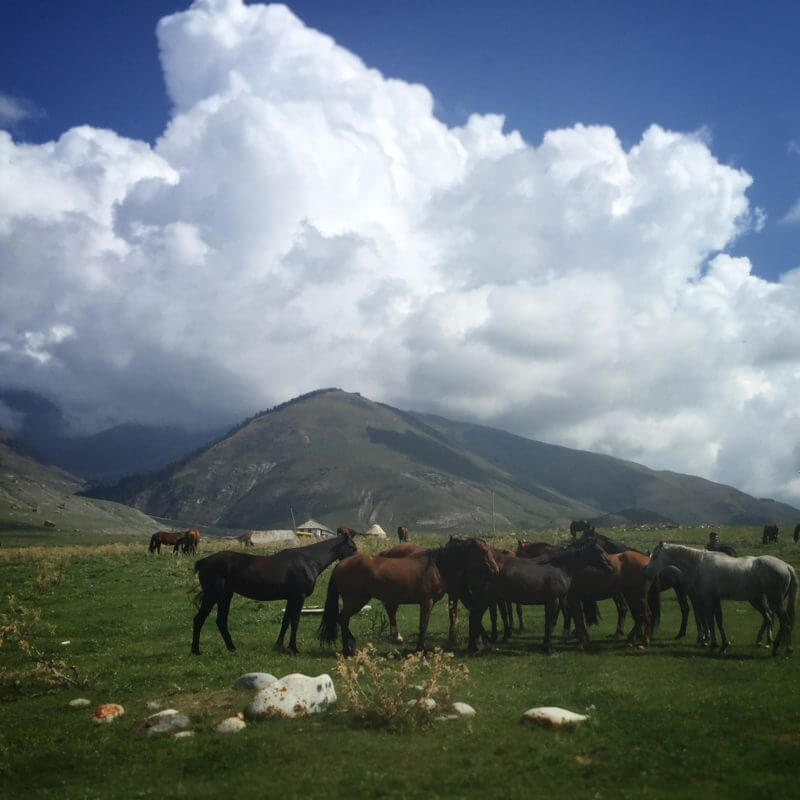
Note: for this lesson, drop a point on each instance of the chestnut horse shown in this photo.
(628, 579)
(420, 578)
(169, 538)
(189, 541)
(288, 574)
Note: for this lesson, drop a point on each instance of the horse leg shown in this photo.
(565, 610)
(762, 606)
(349, 607)
(223, 606)
(507, 613)
(452, 611)
(493, 620)
(199, 619)
(391, 612)
(724, 641)
(622, 612)
(683, 602)
(519, 616)
(576, 612)
(425, 607)
(297, 610)
(550, 613)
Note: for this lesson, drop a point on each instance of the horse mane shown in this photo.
(619, 547)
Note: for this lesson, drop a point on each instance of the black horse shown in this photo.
(796, 532)
(770, 534)
(287, 575)
(579, 526)
(541, 581)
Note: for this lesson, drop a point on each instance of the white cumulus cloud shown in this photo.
(306, 221)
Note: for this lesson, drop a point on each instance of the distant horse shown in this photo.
(770, 534)
(627, 578)
(419, 578)
(402, 533)
(543, 581)
(796, 532)
(578, 526)
(169, 538)
(288, 574)
(188, 541)
(342, 531)
(763, 581)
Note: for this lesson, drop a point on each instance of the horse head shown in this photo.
(472, 555)
(658, 560)
(597, 557)
(347, 547)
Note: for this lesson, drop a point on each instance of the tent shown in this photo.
(375, 530)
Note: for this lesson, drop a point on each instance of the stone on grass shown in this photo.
(182, 734)
(107, 712)
(230, 725)
(427, 703)
(80, 702)
(552, 716)
(292, 696)
(166, 721)
(153, 705)
(463, 709)
(256, 680)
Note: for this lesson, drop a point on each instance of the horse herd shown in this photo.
(569, 580)
(185, 540)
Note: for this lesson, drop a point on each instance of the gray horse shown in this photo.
(763, 581)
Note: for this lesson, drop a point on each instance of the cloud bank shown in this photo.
(305, 221)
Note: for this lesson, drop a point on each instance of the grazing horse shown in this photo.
(796, 532)
(288, 574)
(579, 526)
(763, 581)
(627, 578)
(543, 581)
(169, 538)
(189, 541)
(770, 534)
(423, 577)
(402, 533)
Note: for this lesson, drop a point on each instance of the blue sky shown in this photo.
(261, 201)
(728, 67)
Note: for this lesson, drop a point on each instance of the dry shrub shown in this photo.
(50, 575)
(18, 627)
(386, 693)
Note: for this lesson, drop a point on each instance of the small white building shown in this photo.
(313, 528)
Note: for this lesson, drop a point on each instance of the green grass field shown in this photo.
(674, 721)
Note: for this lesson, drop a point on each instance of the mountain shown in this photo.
(37, 497)
(346, 460)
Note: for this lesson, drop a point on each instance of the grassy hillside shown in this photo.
(343, 459)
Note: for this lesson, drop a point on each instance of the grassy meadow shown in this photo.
(673, 721)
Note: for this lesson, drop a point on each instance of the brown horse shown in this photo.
(627, 579)
(402, 533)
(169, 538)
(288, 575)
(188, 541)
(419, 578)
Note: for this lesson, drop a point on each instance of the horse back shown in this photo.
(402, 580)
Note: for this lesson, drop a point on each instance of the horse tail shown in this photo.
(591, 611)
(198, 596)
(330, 616)
(792, 598)
(654, 601)
(153, 543)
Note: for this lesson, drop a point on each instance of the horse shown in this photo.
(627, 578)
(422, 577)
(770, 534)
(579, 526)
(288, 575)
(188, 541)
(545, 580)
(402, 533)
(796, 532)
(169, 538)
(670, 579)
(342, 531)
(763, 581)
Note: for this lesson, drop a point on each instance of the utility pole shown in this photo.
(493, 512)
(294, 524)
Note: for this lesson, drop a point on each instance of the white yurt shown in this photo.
(375, 530)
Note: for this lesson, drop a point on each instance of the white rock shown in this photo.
(292, 696)
(552, 715)
(182, 734)
(230, 725)
(165, 721)
(256, 680)
(463, 709)
(153, 705)
(428, 703)
(80, 702)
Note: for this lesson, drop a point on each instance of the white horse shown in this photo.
(762, 581)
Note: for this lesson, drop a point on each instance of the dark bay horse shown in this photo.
(417, 578)
(796, 535)
(286, 575)
(402, 533)
(578, 526)
(188, 541)
(542, 581)
(169, 538)
(770, 534)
